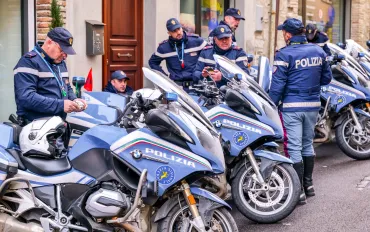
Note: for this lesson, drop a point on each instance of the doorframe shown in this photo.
(105, 60)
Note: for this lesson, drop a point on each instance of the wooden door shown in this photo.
(123, 40)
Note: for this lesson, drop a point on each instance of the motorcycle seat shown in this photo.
(46, 167)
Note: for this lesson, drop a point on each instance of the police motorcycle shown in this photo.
(360, 54)
(264, 185)
(116, 178)
(343, 102)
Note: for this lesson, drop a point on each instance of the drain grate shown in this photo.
(364, 183)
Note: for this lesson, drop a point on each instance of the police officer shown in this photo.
(231, 20)
(299, 71)
(317, 37)
(118, 84)
(181, 52)
(222, 45)
(41, 83)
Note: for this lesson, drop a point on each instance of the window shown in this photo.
(11, 51)
(327, 15)
(202, 16)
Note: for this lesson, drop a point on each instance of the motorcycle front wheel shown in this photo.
(270, 203)
(352, 143)
(178, 219)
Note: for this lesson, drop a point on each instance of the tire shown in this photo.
(169, 223)
(342, 133)
(256, 208)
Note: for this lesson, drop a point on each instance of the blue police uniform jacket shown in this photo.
(322, 39)
(193, 44)
(37, 92)
(235, 54)
(110, 88)
(299, 71)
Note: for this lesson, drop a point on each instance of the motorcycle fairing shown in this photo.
(100, 137)
(215, 157)
(341, 94)
(235, 122)
(166, 163)
(72, 176)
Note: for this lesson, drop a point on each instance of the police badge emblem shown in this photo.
(222, 30)
(238, 12)
(122, 73)
(71, 41)
(173, 22)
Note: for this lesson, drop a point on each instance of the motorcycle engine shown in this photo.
(108, 201)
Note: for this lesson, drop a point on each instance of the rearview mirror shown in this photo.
(78, 82)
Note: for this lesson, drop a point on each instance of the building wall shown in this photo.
(156, 13)
(261, 42)
(80, 64)
(43, 16)
(360, 21)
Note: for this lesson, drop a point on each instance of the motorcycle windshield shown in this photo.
(351, 61)
(209, 142)
(229, 69)
(168, 86)
(352, 46)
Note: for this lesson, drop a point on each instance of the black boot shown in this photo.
(299, 169)
(308, 163)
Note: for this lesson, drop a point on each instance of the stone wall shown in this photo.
(360, 21)
(43, 16)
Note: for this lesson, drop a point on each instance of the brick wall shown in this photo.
(43, 16)
(360, 21)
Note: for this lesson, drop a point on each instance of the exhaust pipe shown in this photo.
(326, 135)
(9, 223)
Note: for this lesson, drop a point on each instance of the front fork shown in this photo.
(255, 166)
(358, 126)
(190, 200)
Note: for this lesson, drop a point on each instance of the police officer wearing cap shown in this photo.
(223, 46)
(299, 71)
(180, 51)
(41, 83)
(118, 84)
(231, 20)
(317, 37)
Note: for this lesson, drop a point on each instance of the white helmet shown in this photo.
(40, 137)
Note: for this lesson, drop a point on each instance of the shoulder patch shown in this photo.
(237, 48)
(30, 54)
(207, 47)
(164, 41)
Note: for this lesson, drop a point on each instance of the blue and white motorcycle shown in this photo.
(116, 178)
(265, 187)
(344, 102)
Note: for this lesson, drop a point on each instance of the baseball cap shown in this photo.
(222, 31)
(310, 31)
(119, 75)
(292, 25)
(235, 13)
(64, 38)
(172, 24)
